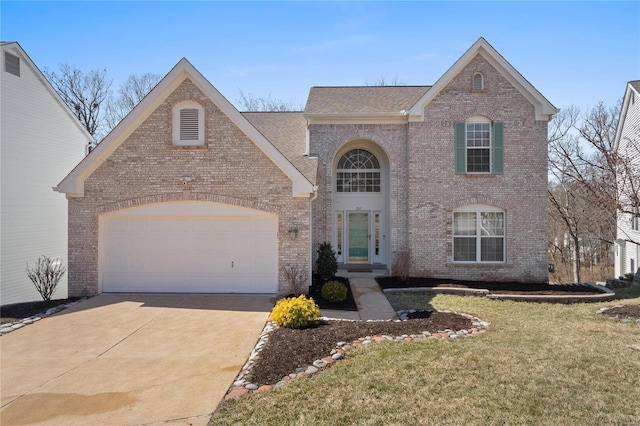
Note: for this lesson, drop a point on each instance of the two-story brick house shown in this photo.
(189, 195)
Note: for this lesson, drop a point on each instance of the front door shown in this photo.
(359, 236)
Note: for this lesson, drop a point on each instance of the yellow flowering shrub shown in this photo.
(295, 312)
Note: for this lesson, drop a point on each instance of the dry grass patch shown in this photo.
(538, 364)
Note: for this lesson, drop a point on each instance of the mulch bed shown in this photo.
(501, 287)
(621, 312)
(20, 311)
(288, 349)
(315, 292)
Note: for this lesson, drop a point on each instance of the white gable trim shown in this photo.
(17, 50)
(73, 184)
(623, 113)
(544, 109)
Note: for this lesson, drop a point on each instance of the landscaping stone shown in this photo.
(235, 393)
(241, 387)
(319, 363)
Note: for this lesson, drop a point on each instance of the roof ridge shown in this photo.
(371, 87)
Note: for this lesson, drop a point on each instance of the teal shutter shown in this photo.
(498, 148)
(461, 147)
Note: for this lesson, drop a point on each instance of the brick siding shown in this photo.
(424, 189)
(147, 168)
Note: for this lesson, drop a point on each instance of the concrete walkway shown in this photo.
(372, 303)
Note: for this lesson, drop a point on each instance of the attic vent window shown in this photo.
(188, 124)
(478, 82)
(12, 64)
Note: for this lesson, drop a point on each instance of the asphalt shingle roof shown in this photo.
(287, 131)
(363, 99)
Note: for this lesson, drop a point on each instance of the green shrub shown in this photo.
(334, 291)
(295, 312)
(326, 265)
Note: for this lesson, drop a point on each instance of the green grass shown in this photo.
(538, 364)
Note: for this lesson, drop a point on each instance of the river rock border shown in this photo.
(9, 327)
(241, 386)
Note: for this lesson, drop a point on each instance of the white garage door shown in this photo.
(189, 247)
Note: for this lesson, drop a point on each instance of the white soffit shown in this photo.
(623, 113)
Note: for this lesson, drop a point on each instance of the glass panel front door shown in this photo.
(358, 237)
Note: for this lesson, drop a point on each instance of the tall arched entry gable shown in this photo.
(361, 204)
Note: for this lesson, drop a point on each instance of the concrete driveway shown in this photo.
(129, 360)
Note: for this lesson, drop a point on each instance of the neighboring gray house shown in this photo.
(41, 140)
(627, 145)
(189, 195)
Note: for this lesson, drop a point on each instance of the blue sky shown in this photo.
(573, 52)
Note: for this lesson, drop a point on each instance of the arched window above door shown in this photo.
(358, 170)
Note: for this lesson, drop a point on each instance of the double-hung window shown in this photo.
(479, 146)
(478, 234)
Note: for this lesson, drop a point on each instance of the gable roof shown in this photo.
(543, 108)
(632, 86)
(14, 48)
(73, 184)
(287, 131)
(363, 100)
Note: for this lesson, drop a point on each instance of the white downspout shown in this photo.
(311, 199)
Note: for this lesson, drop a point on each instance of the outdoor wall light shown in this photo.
(293, 231)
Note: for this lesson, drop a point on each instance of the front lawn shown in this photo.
(537, 364)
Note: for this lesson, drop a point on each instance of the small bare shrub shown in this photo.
(297, 278)
(46, 275)
(402, 264)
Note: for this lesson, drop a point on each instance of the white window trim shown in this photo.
(484, 120)
(176, 124)
(478, 209)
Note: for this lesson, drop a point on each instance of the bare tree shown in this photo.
(83, 93)
(130, 93)
(253, 103)
(583, 171)
(382, 81)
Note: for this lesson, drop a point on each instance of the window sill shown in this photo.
(194, 145)
(480, 175)
(477, 264)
